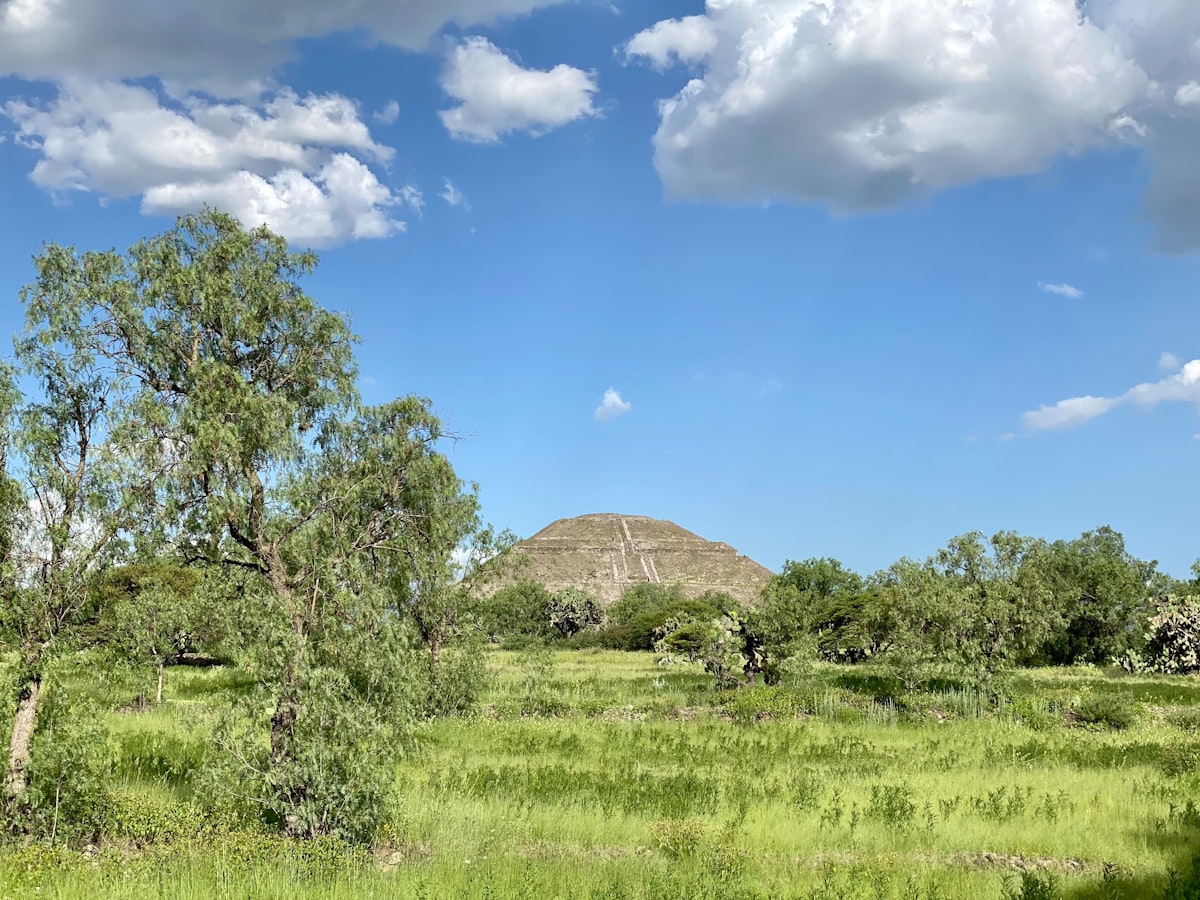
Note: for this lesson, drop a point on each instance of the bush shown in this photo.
(71, 763)
(457, 681)
(679, 838)
(644, 598)
(761, 702)
(515, 613)
(1032, 886)
(338, 780)
(1106, 711)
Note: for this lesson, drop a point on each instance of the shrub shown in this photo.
(1106, 711)
(339, 782)
(71, 763)
(537, 668)
(642, 599)
(678, 838)
(761, 702)
(515, 612)
(639, 632)
(892, 805)
(1032, 886)
(458, 681)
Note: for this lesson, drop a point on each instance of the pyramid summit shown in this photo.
(607, 553)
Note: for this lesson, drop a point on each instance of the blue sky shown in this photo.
(863, 275)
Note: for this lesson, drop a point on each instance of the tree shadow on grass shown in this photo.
(1180, 881)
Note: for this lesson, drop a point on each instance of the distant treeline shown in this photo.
(974, 608)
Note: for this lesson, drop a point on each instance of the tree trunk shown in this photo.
(435, 650)
(22, 737)
(158, 695)
(287, 705)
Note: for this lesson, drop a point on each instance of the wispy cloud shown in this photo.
(1169, 362)
(389, 114)
(1068, 413)
(612, 406)
(1183, 386)
(1062, 289)
(452, 195)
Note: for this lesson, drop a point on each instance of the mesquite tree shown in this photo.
(68, 485)
(244, 404)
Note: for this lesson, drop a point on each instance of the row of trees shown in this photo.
(977, 607)
(188, 401)
(981, 605)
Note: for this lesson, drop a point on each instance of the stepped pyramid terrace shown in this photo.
(607, 553)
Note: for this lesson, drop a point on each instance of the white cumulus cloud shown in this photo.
(293, 163)
(1063, 289)
(496, 96)
(687, 40)
(865, 104)
(1183, 386)
(612, 406)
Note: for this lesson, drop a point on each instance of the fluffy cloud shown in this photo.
(612, 406)
(186, 41)
(1063, 290)
(496, 96)
(687, 40)
(1183, 386)
(863, 104)
(293, 163)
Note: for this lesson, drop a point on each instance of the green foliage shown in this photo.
(1184, 885)
(537, 667)
(759, 702)
(150, 614)
(821, 599)
(68, 792)
(892, 804)
(728, 649)
(350, 737)
(642, 599)
(572, 611)
(1173, 636)
(679, 838)
(972, 611)
(515, 611)
(1100, 594)
(1033, 886)
(637, 618)
(460, 678)
(239, 407)
(1105, 711)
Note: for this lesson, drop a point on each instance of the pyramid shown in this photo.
(607, 553)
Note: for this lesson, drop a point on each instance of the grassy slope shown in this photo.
(642, 785)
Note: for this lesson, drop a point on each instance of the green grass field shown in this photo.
(599, 774)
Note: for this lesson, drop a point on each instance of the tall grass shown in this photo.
(638, 781)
